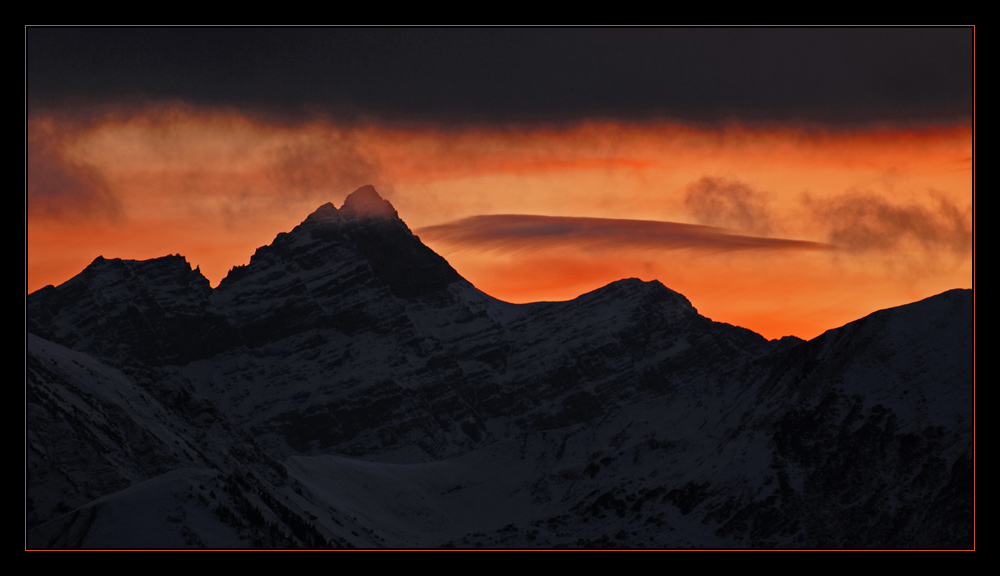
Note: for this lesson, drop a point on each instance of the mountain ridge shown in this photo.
(348, 350)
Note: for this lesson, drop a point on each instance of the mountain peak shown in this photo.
(365, 202)
(365, 232)
(325, 212)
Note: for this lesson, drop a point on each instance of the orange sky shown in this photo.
(854, 221)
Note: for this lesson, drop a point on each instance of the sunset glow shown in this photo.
(835, 224)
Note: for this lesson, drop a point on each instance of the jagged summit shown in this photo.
(170, 272)
(324, 213)
(364, 241)
(365, 202)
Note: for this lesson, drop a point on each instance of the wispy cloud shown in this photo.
(526, 232)
(865, 222)
(60, 188)
(729, 203)
(314, 161)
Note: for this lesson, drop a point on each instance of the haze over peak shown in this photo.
(365, 202)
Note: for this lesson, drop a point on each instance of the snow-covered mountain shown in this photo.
(348, 387)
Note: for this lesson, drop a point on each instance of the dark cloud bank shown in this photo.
(829, 75)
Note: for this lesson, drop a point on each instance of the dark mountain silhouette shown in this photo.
(349, 388)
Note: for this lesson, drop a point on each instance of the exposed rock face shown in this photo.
(621, 418)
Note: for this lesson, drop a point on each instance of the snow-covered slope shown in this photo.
(394, 404)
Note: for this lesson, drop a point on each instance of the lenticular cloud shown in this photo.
(523, 231)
